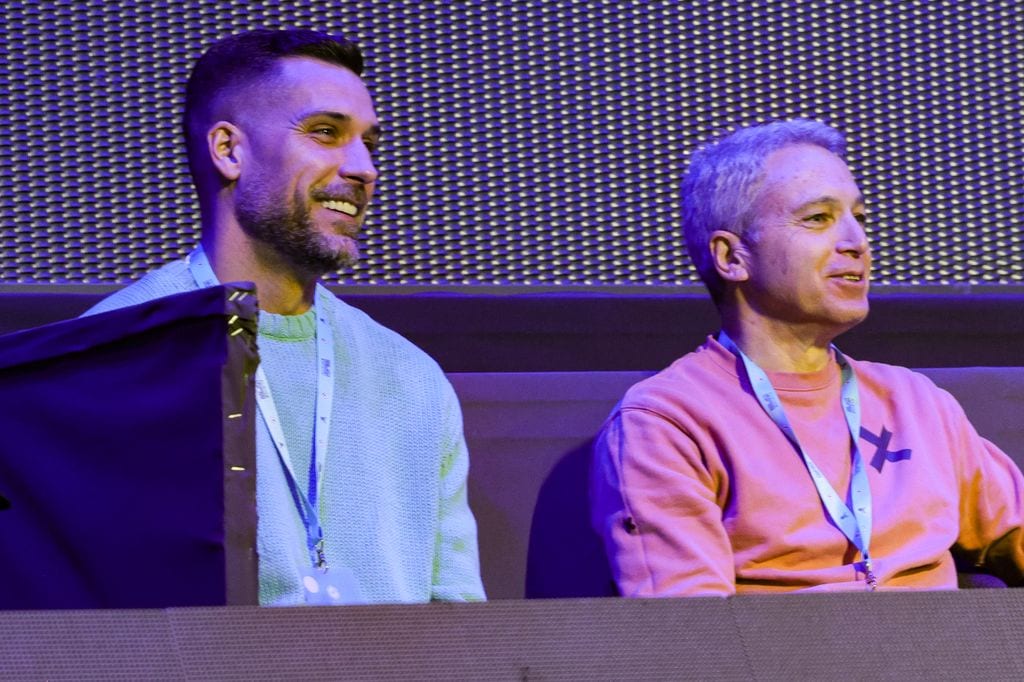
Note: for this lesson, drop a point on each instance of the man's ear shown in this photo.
(224, 143)
(730, 256)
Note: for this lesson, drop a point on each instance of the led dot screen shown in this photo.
(529, 142)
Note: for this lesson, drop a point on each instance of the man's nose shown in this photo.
(854, 236)
(357, 162)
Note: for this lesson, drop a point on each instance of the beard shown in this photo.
(289, 233)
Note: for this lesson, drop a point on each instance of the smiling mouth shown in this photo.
(345, 207)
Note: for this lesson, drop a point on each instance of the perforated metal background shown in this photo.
(530, 142)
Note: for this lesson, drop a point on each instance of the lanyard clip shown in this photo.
(869, 576)
(321, 558)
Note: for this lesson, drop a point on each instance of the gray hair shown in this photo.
(724, 178)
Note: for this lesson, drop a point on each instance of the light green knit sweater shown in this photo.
(393, 505)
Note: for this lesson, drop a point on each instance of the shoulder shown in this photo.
(172, 278)
(893, 378)
(904, 387)
(702, 375)
(385, 350)
(697, 394)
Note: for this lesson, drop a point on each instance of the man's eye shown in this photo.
(817, 218)
(324, 131)
(861, 218)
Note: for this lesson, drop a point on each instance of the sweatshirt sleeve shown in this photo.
(456, 573)
(654, 504)
(991, 506)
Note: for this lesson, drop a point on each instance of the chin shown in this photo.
(345, 257)
(317, 262)
(344, 262)
(333, 253)
(850, 319)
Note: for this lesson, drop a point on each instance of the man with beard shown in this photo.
(361, 468)
(766, 460)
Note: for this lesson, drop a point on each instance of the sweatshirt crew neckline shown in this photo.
(781, 381)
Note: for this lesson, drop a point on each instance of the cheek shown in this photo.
(303, 182)
(780, 260)
(302, 168)
(783, 267)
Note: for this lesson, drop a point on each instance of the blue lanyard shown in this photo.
(854, 523)
(202, 272)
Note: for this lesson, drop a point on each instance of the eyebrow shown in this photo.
(337, 116)
(827, 199)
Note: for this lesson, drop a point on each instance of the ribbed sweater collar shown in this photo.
(290, 327)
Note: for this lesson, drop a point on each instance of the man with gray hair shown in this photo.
(766, 460)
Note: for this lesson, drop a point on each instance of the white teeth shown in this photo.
(345, 207)
(851, 278)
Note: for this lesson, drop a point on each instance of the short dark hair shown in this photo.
(725, 175)
(237, 61)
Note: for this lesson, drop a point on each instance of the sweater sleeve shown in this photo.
(654, 504)
(991, 506)
(456, 574)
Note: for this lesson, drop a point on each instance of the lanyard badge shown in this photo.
(307, 505)
(855, 523)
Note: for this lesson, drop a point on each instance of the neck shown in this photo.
(779, 347)
(235, 258)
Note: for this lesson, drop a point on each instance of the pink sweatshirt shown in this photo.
(696, 491)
